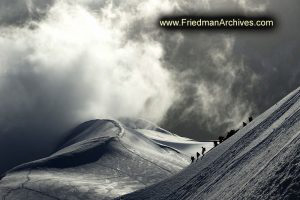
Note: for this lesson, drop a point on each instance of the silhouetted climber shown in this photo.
(221, 139)
(244, 124)
(231, 133)
(203, 151)
(215, 143)
(198, 154)
(192, 158)
(250, 119)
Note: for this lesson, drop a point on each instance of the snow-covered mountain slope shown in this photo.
(183, 144)
(164, 137)
(100, 159)
(261, 161)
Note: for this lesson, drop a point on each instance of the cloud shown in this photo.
(225, 77)
(16, 12)
(208, 74)
(75, 65)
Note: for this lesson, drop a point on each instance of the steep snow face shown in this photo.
(261, 161)
(100, 159)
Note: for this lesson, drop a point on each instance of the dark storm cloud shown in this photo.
(265, 67)
(273, 57)
(207, 72)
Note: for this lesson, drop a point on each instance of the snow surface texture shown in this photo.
(101, 159)
(261, 161)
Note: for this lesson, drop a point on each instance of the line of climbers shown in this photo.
(221, 139)
(230, 133)
(198, 154)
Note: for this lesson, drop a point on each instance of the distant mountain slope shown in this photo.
(100, 159)
(261, 161)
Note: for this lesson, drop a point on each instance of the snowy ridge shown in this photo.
(261, 161)
(82, 142)
(100, 159)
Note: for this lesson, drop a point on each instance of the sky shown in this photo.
(65, 62)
